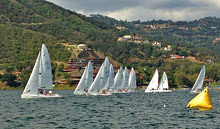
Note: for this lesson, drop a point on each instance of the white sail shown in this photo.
(199, 81)
(132, 80)
(124, 84)
(32, 84)
(94, 88)
(110, 81)
(89, 75)
(45, 72)
(105, 73)
(163, 83)
(86, 80)
(118, 78)
(153, 85)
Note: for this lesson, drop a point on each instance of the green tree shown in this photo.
(10, 80)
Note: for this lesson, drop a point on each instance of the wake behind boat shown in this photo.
(39, 84)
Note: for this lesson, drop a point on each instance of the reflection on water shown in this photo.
(132, 110)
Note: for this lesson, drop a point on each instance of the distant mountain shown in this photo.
(203, 33)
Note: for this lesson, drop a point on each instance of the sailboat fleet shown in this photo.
(106, 82)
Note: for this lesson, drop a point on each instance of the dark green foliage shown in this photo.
(10, 80)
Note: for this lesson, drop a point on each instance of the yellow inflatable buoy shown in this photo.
(202, 101)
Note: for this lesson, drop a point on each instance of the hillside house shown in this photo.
(121, 39)
(82, 47)
(120, 27)
(137, 38)
(216, 40)
(80, 64)
(17, 73)
(158, 44)
(168, 48)
(208, 81)
(128, 37)
(177, 57)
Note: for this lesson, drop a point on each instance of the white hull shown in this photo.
(107, 94)
(95, 94)
(151, 91)
(157, 91)
(78, 93)
(121, 92)
(32, 96)
(195, 92)
(165, 91)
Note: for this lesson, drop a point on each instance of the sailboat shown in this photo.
(100, 79)
(164, 87)
(41, 78)
(132, 81)
(85, 81)
(153, 85)
(199, 81)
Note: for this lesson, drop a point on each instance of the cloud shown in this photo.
(145, 9)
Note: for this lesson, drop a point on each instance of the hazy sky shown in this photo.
(145, 9)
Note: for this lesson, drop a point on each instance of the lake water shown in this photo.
(135, 110)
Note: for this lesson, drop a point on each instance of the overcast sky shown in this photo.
(145, 9)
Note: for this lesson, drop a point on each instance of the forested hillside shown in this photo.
(26, 24)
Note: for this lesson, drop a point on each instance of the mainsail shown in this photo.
(153, 85)
(132, 80)
(110, 81)
(104, 74)
(124, 84)
(86, 79)
(118, 78)
(163, 82)
(199, 81)
(45, 72)
(94, 88)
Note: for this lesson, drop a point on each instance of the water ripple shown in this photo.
(123, 111)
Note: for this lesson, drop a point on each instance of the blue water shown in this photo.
(135, 110)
